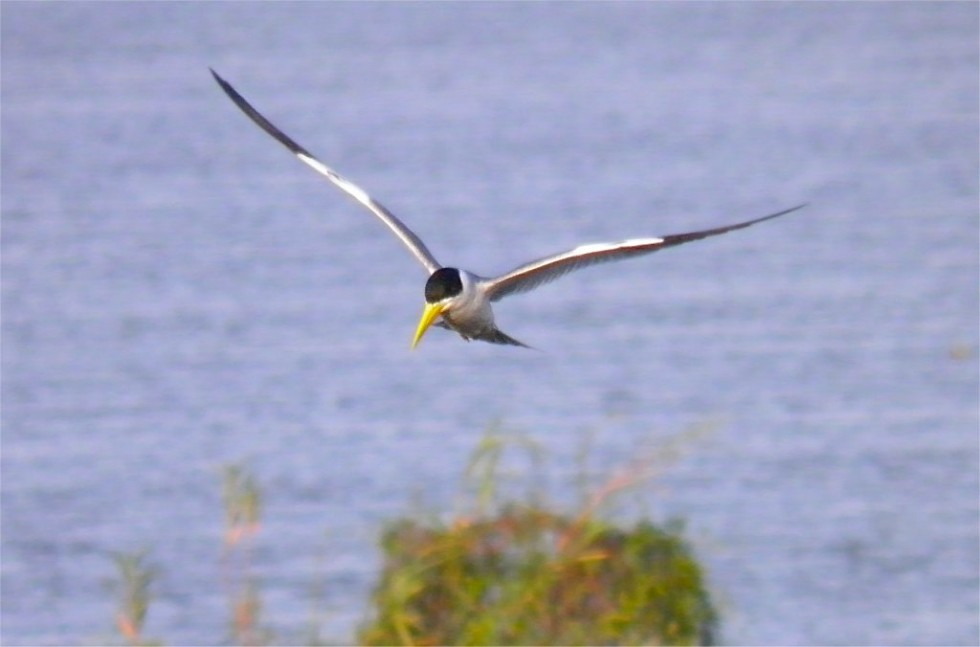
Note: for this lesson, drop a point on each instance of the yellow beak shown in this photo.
(432, 310)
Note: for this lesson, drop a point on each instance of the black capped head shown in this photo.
(443, 284)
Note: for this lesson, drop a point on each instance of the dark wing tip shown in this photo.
(680, 239)
(774, 215)
(258, 117)
(233, 94)
(790, 210)
(217, 77)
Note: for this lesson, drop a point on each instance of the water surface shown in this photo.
(180, 294)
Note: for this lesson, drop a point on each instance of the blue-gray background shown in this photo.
(180, 294)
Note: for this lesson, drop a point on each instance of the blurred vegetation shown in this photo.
(504, 570)
(242, 501)
(521, 574)
(133, 592)
(527, 576)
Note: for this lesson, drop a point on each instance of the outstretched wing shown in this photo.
(407, 236)
(531, 275)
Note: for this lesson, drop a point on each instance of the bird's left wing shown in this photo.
(531, 275)
(406, 235)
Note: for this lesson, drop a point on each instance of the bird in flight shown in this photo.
(460, 300)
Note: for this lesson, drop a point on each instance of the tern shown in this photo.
(460, 300)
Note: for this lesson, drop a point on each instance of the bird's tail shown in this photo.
(496, 336)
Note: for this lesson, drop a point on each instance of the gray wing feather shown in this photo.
(406, 235)
(531, 275)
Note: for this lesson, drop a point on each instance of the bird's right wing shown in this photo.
(407, 236)
(531, 275)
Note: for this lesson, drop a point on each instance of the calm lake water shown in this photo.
(179, 294)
